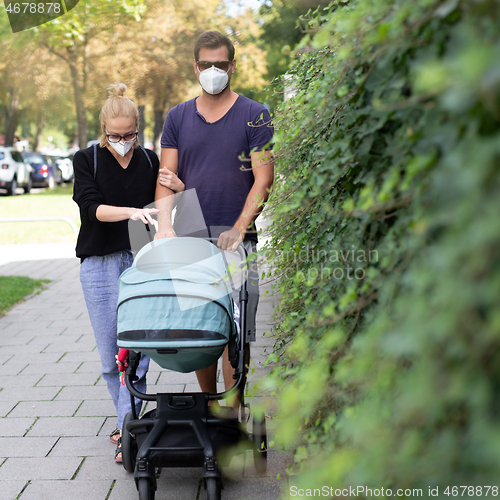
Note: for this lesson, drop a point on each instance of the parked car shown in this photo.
(14, 171)
(66, 167)
(45, 172)
(57, 169)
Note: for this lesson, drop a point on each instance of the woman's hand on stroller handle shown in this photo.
(230, 240)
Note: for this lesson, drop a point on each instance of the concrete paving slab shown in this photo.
(18, 340)
(103, 468)
(13, 368)
(9, 328)
(126, 490)
(83, 447)
(26, 447)
(34, 304)
(88, 367)
(65, 490)
(108, 426)
(171, 377)
(67, 426)
(78, 357)
(38, 326)
(43, 333)
(87, 344)
(45, 409)
(173, 484)
(181, 484)
(23, 317)
(6, 407)
(252, 489)
(28, 351)
(83, 393)
(49, 368)
(80, 327)
(69, 379)
(44, 358)
(39, 468)
(30, 394)
(12, 489)
(15, 427)
(97, 408)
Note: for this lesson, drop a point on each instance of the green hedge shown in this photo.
(386, 247)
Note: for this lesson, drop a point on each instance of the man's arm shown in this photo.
(164, 196)
(263, 172)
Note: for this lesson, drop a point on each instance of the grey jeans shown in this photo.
(99, 279)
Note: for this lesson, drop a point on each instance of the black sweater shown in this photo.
(133, 186)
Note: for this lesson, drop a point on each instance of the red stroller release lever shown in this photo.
(122, 363)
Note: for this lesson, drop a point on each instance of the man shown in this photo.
(204, 142)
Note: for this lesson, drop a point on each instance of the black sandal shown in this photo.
(113, 434)
(118, 460)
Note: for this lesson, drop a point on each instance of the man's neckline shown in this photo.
(222, 117)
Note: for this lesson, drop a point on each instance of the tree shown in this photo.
(71, 36)
(30, 81)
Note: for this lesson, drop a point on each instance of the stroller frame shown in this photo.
(145, 442)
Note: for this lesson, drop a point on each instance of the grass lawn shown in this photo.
(14, 289)
(48, 203)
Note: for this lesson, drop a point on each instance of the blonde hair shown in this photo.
(117, 106)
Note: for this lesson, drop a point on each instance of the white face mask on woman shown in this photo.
(213, 80)
(122, 148)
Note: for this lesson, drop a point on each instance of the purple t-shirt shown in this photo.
(212, 158)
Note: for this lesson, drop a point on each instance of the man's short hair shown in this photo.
(213, 40)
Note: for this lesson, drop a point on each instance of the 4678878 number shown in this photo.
(471, 491)
(33, 8)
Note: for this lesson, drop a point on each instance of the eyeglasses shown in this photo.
(127, 137)
(223, 65)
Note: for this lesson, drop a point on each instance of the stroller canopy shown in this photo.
(175, 304)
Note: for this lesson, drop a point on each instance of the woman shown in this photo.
(109, 192)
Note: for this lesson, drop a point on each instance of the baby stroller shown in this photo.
(175, 306)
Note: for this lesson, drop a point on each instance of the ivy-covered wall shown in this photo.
(386, 247)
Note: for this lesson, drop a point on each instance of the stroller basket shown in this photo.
(175, 304)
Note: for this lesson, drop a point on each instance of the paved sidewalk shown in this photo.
(56, 413)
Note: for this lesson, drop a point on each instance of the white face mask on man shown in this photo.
(213, 80)
(122, 148)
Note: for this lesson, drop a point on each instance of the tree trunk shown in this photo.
(142, 123)
(39, 128)
(11, 117)
(81, 115)
(160, 113)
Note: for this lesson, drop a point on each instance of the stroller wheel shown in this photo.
(260, 442)
(129, 446)
(146, 491)
(213, 488)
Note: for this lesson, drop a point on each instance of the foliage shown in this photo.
(14, 289)
(27, 85)
(386, 247)
(60, 71)
(284, 23)
(251, 72)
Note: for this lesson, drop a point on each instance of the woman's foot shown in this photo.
(115, 435)
(118, 452)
